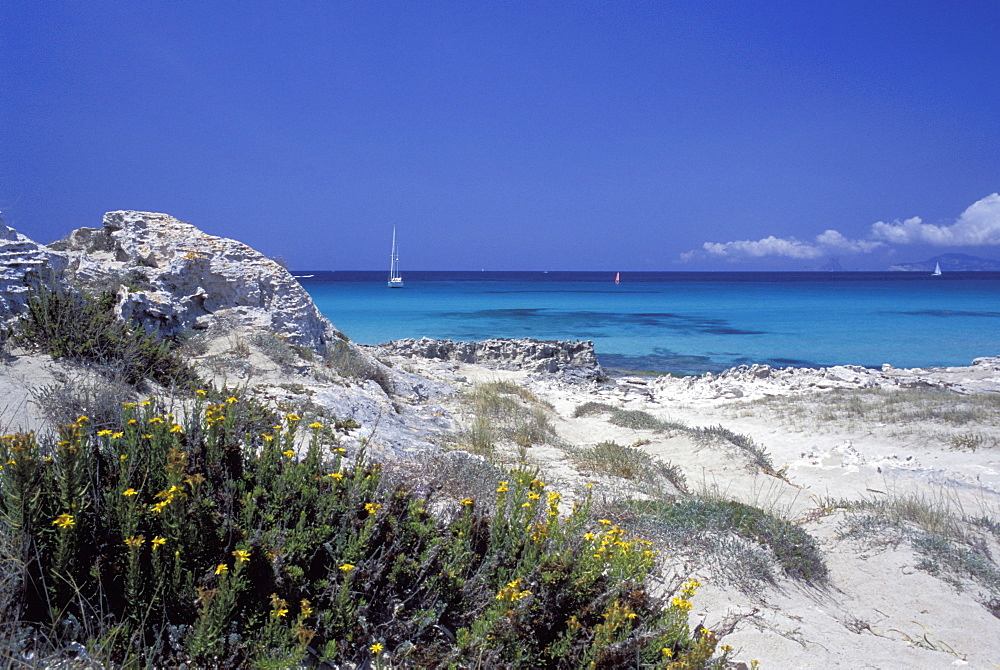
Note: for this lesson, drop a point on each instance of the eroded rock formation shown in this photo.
(506, 354)
(173, 276)
(23, 263)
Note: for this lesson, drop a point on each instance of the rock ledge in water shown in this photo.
(553, 356)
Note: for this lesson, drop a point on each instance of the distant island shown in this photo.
(950, 263)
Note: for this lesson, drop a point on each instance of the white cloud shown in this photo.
(826, 242)
(835, 240)
(769, 246)
(978, 226)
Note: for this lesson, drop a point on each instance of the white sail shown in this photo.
(937, 270)
(395, 280)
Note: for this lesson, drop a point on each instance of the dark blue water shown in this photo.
(685, 322)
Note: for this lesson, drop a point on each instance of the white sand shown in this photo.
(878, 610)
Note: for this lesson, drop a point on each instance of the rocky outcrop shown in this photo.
(758, 381)
(23, 263)
(172, 276)
(564, 356)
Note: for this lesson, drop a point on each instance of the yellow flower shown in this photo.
(372, 508)
(336, 475)
(288, 453)
(346, 567)
(292, 418)
(668, 652)
(130, 492)
(176, 429)
(502, 488)
(588, 536)
(242, 555)
(339, 450)
(102, 433)
(135, 542)
(156, 419)
(64, 521)
(83, 419)
(681, 604)
(158, 507)
(231, 400)
(201, 392)
(316, 425)
(305, 609)
(115, 436)
(221, 568)
(267, 438)
(158, 542)
(146, 403)
(376, 648)
(467, 501)
(278, 613)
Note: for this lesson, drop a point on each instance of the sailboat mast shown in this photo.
(393, 259)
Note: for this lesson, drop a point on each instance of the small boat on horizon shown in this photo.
(395, 279)
(937, 270)
(618, 277)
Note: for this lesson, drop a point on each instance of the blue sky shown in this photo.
(513, 135)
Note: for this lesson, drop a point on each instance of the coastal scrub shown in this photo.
(198, 539)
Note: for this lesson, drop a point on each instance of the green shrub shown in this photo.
(81, 328)
(202, 541)
(611, 458)
(795, 551)
(590, 408)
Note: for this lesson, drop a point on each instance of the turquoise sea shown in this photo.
(684, 322)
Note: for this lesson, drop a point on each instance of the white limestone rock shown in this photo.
(174, 277)
(573, 358)
(23, 263)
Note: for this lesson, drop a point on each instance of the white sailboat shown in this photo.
(937, 270)
(395, 280)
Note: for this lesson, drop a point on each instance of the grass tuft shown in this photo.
(348, 361)
(503, 413)
(952, 545)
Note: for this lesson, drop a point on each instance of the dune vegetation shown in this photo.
(201, 528)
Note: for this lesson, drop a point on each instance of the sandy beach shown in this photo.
(919, 447)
